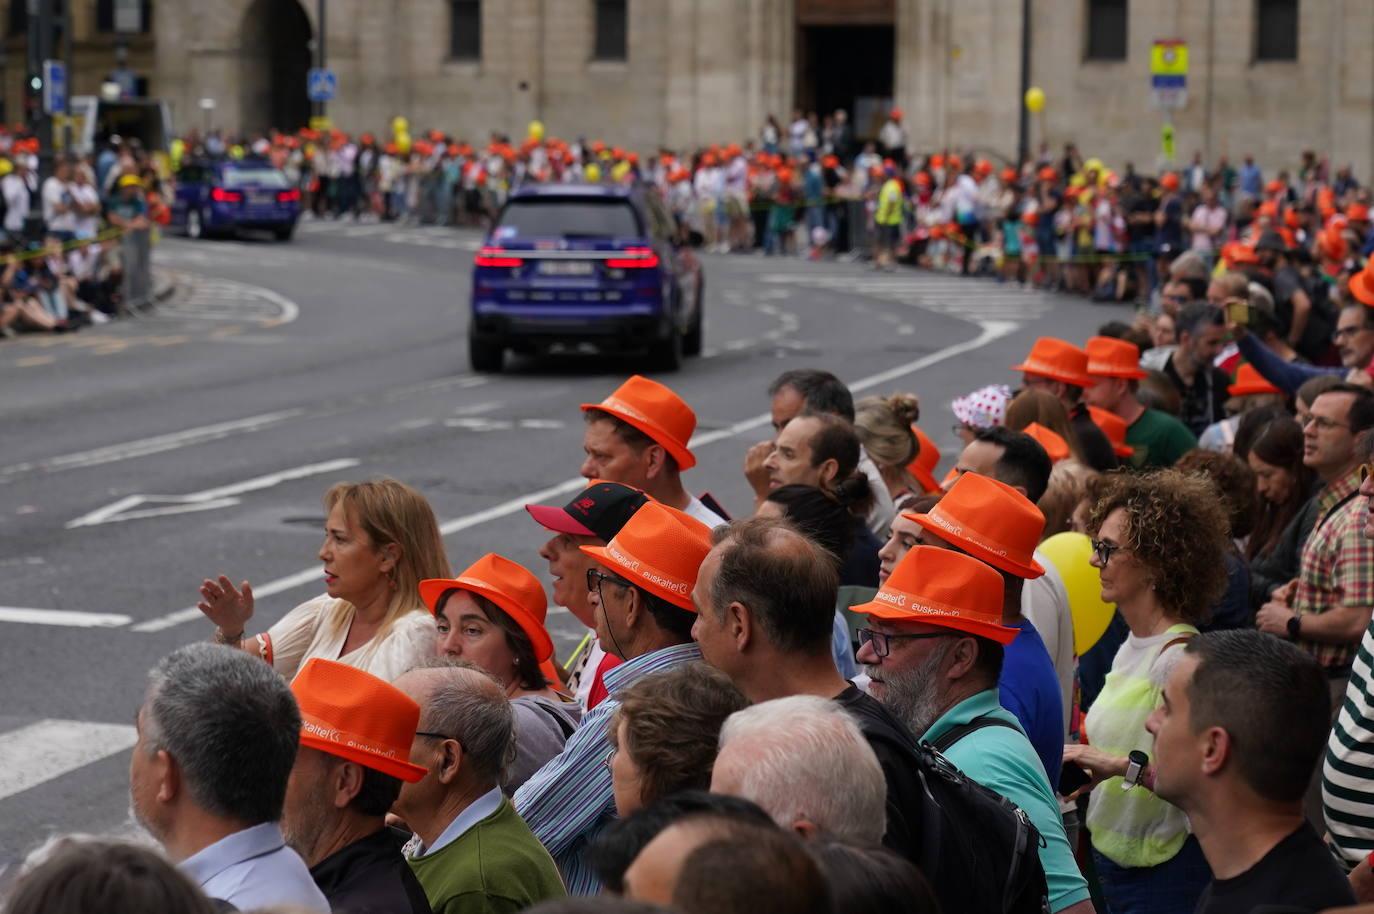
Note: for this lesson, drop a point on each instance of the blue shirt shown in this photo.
(1287, 376)
(843, 648)
(1002, 760)
(1251, 179)
(1030, 690)
(568, 801)
(254, 868)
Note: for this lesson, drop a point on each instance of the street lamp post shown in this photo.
(1023, 128)
(321, 33)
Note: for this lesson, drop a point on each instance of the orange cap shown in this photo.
(1362, 283)
(1169, 181)
(990, 521)
(1113, 358)
(937, 161)
(922, 467)
(1237, 253)
(1047, 173)
(657, 412)
(1332, 245)
(1057, 360)
(350, 713)
(896, 114)
(1053, 443)
(945, 588)
(1114, 427)
(1274, 186)
(1250, 381)
(660, 549)
(1291, 218)
(507, 584)
(982, 167)
(1269, 208)
(1009, 176)
(1357, 212)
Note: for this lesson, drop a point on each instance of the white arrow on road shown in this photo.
(127, 508)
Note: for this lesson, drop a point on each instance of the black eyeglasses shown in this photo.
(882, 642)
(595, 577)
(1103, 551)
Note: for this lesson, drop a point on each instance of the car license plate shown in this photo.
(263, 198)
(565, 267)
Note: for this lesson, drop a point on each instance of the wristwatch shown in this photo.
(1135, 767)
(1294, 627)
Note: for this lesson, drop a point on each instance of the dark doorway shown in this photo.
(849, 67)
(275, 54)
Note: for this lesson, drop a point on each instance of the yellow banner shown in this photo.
(1169, 58)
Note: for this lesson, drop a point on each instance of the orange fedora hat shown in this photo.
(510, 586)
(657, 412)
(1114, 427)
(1362, 284)
(923, 467)
(350, 713)
(946, 588)
(1250, 381)
(1113, 358)
(1053, 443)
(1057, 360)
(990, 521)
(660, 549)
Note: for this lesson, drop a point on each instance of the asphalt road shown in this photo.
(139, 457)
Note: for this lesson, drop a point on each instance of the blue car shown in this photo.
(221, 197)
(585, 264)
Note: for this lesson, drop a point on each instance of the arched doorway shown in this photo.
(275, 58)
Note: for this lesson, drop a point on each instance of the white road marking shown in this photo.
(155, 445)
(988, 332)
(207, 500)
(63, 617)
(47, 749)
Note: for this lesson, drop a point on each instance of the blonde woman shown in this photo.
(884, 428)
(381, 540)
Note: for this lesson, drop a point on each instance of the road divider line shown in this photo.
(989, 331)
(48, 749)
(63, 617)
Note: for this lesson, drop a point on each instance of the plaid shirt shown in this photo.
(1337, 566)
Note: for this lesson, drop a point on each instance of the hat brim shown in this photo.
(1000, 562)
(558, 520)
(1062, 376)
(1361, 288)
(1002, 634)
(431, 590)
(1245, 390)
(602, 556)
(395, 767)
(685, 459)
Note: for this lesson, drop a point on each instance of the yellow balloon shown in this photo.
(235, 152)
(620, 171)
(592, 173)
(403, 143)
(1077, 181)
(536, 131)
(399, 125)
(6, 166)
(1035, 99)
(1069, 553)
(1094, 165)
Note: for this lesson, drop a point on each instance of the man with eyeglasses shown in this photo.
(640, 595)
(471, 850)
(1327, 608)
(934, 649)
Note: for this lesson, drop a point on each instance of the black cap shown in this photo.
(1270, 240)
(599, 510)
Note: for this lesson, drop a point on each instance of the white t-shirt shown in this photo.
(17, 199)
(86, 195)
(1213, 219)
(55, 195)
(1045, 602)
(319, 628)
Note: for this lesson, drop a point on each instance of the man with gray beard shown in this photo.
(934, 654)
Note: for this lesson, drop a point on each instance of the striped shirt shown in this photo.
(1348, 772)
(1337, 567)
(568, 801)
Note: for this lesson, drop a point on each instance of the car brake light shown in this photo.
(634, 259)
(220, 195)
(289, 196)
(496, 257)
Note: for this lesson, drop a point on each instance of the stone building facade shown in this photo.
(1266, 77)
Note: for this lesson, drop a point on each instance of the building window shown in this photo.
(612, 30)
(133, 17)
(1106, 30)
(1276, 29)
(465, 30)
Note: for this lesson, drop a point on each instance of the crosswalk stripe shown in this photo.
(48, 749)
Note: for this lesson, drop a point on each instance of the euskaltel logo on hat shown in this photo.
(659, 550)
(349, 713)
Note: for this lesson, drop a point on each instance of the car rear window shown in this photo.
(568, 217)
(254, 177)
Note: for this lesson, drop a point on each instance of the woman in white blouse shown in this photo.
(381, 540)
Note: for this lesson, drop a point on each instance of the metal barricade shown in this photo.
(135, 254)
(861, 237)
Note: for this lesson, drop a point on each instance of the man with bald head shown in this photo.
(471, 850)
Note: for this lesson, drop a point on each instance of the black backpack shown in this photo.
(979, 834)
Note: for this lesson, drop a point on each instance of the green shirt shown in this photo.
(497, 866)
(1003, 760)
(1158, 439)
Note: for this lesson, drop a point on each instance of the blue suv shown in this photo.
(572, 264)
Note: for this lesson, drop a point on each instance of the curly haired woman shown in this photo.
(1160, 542)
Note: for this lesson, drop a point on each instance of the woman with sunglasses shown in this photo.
(1159, 541)
(492, 616)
